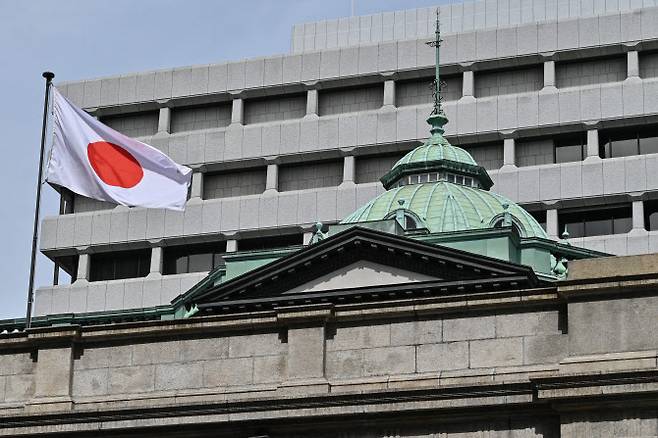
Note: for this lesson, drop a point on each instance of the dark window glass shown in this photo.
(620, 143)
(410, 222)
(598, 226)
(118, 265)
(540, 217)
(261, 243)
(570, 149)
(68, 264)
(622, 223)
(651, 215)
(193, 258)
(649, 140)
(600, 222)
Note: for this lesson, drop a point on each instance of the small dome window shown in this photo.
(407, 219)
(507, 219)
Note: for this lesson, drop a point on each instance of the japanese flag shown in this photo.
(96, 161)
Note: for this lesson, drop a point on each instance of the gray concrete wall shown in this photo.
(455, 18)
(97, 296)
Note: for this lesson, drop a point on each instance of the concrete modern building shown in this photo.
(556, 100)
(344, 270)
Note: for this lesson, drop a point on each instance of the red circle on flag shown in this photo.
(114, 165)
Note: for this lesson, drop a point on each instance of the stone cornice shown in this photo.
(639, 388)
(468, 300)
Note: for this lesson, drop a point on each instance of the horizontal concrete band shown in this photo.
(155, 290)
(456, 17)
(546, 183)
(475, 119)
(462, 48)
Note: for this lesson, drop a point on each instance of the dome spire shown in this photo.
(438, 118)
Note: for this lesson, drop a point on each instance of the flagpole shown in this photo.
(37, 207)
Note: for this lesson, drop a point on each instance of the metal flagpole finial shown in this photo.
(48, 75)
(437, 119)
(437, 84)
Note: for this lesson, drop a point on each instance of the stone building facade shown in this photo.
(521, 359)
(557, 101)
(434, 307)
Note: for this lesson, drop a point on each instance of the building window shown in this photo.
(570, 148)
(118, 265)
(437, 176)
(487, 155)
(372, 168)
(234, 183)
(419, 91)
(200, 117)
(648, 64)
(310, 175)
(135, 124)
(274, 108)
(651, 215)
(592, 71)
(347, 100)
(516, 80)
(193, 258)
(270, 242)
(68, 264)
(599, 222)
(626, 142)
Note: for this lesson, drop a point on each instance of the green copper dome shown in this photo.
(441, 188)
(447, 207)
(432, 151)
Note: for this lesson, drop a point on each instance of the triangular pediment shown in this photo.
(360, 264)
(359, 274)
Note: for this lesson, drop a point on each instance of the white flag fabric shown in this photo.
(93, 160)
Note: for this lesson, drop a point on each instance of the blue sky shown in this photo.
(80, 39)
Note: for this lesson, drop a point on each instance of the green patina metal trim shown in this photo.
(91, 318)
(473, 170)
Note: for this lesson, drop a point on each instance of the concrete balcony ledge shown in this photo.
(571, 183)
(553, 34)
(632, 243)
(556, 185)
(97, 296)
(472, 120)
(136, 226)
